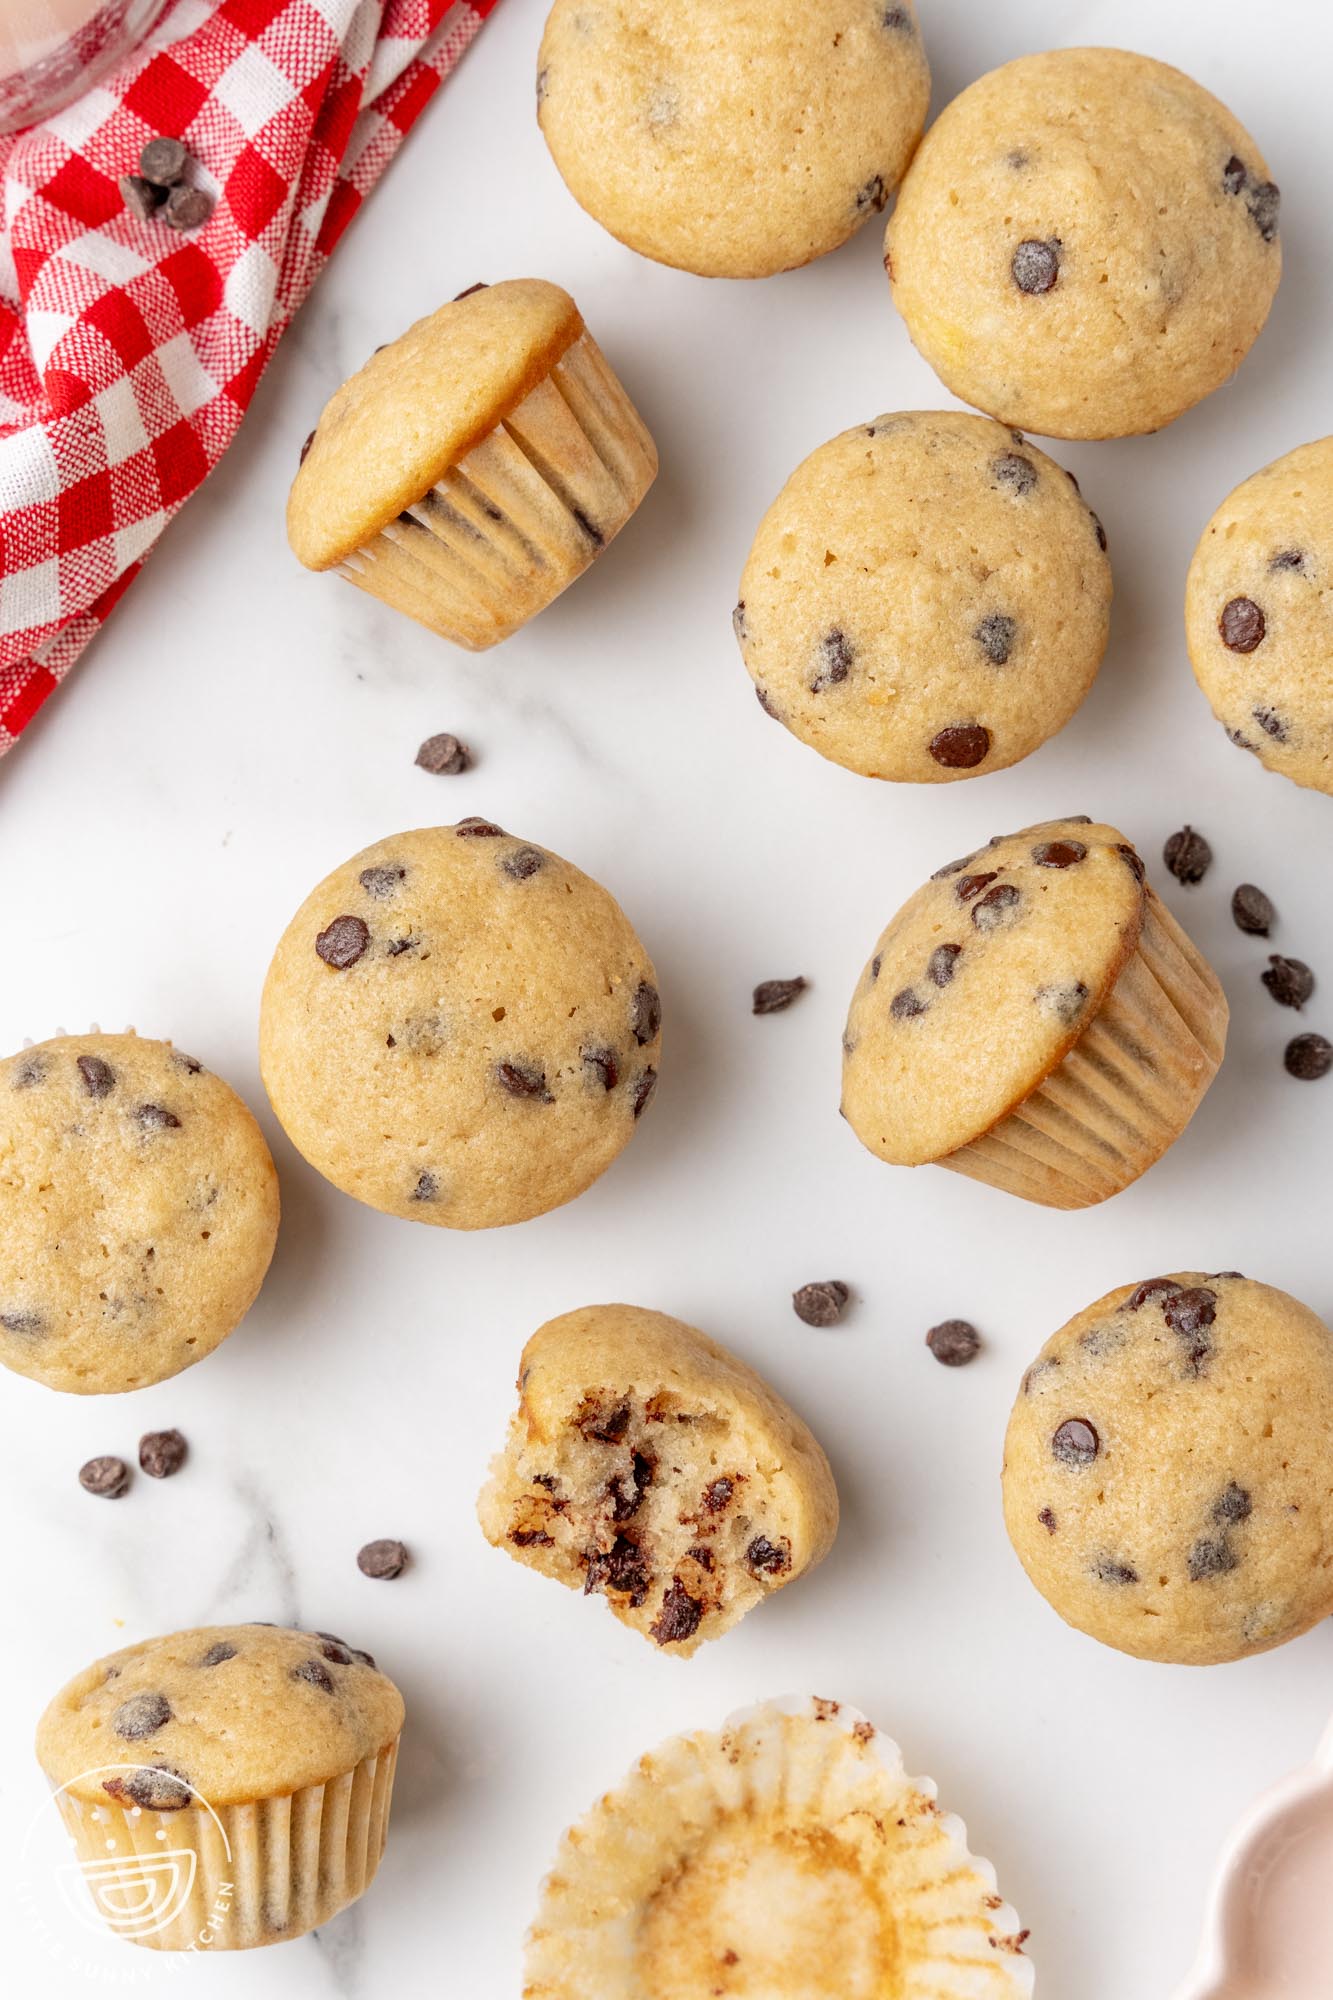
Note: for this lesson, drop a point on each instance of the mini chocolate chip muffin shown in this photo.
(1166, 1471)
(646, 1463)
(138, 1212)
(733, 138)
(1086, 244)
(473, 468)
(460, 1028)
(787, 1854)
(257, 1761)
(1034, 1017)
(1259, 615)
(927, 598)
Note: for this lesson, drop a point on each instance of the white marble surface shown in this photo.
(242, 726)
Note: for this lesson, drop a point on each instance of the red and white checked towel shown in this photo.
(129, 353)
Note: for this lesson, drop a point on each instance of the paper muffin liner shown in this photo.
(521, 514)
(1125, 1091)
(787, 1854)
(228, 1878)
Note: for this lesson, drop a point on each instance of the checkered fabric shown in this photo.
(129, 353)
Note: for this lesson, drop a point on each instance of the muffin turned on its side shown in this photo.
(1034, 1017)
(473, 468)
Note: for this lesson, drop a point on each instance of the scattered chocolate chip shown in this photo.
(140, 197)
(1048, 1520)
(1107, 1570)
(481, 284)
(622, 1568)
(704, 1557)
(99, 1079)
(1289, 980)
(162, 1453)
(717, 1495)
(142, 1715)
(1035, 264)
(443, 756)
(822, 1303)
(385, 1558)
(995, 635)
(187, 208)
(1076, 1442)
(473, 828)
(153, 1788)
(29, 1072)
(772, 996)
(872, 197)
(218, 1654)
(738, 624)
(1011, 469)
(1308, 1057)
(107, 1477)
(1234, 175)
(24, 1320)
(305, 448)
(315, 1673)
(954, 1342)
(1286, 559)
(768, 1558)
(1211, 1556)
(1252, 911)
(381, 883)
(523, 863)
(765, 702)
(1232, 1505)
(960, 746)
(626, 1491)
(641, 1095)
(334, 1650)
(679, 1617)
(645, 1013)
(833, 660)
(1059, 853)
(943, 963)
(1263, 202)
(1242, 625)
(426, 1188)
(601, 1067)
(898, 20)
(999, 906)
(521, 1079)
(969, 886)
(1132, 860)
(1189, 1311)
(906, 1005)
(605, 1426)
(1187, 856)
(876, 965)
(1098, 530)
(1271, 723)
(531, 1538)
(343, 943)
(1066, 1001)
(1151, 1288)
(162, 162)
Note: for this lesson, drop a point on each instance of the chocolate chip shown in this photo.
(1132, 860)
(954, 1342)
(140, 197)
(898, 20)
(382, 1559)
(1286, 559)
(1211, 1556)
(1289, 980)
(833, 660)
(822, 1303)
(622, 1568)
(99, 1079)
(343, 943)
(315, 1673)
(767, 1558)
(872, 197)
(1189, 1311)
(335, 1650)
(1187, 856)
(29, 1072)
(153, 1788)
(305, 448)
(1271, 723)
(24, 1320)
(481, 284)
(1107, 1570)
(1011, 469)
(972, 885)
(772, 996)
(162, 162)
(605, 1426)
(522, 1079)
(645, 1013)
(142, 1715)
(679, 1617)
(943, 963)
(625, 1492)
(1308, 1057)
(1234, 175)
(1151, 1288)
(1076, 1442)
(601, 1067)
(765, 702)
(473, 828)
(999, 906)
(531, 1538)
(907, 1005)
(995, 635)
(217, 1655)
(1233, 1504)
(107, 1477)
(717, 1495)
(162, 1453)
(1048, 1520)
(381, 883)
(1242, 625)
(1263, 202)
(1066, 1001)
(960, 746)
(738, 624)
(187, 208)
(1252, 911)
(443, 756)
(1035, 264)
(523, 863)
(641, 1095)
(1098, 530)
(1059, 853)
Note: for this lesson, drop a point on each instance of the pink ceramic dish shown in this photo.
(1268, 1934)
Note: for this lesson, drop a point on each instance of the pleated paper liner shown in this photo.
(1125, 1091)
(521, 514)
(233, 1877)
(787, 1855)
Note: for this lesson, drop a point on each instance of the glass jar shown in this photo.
(52, 50)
